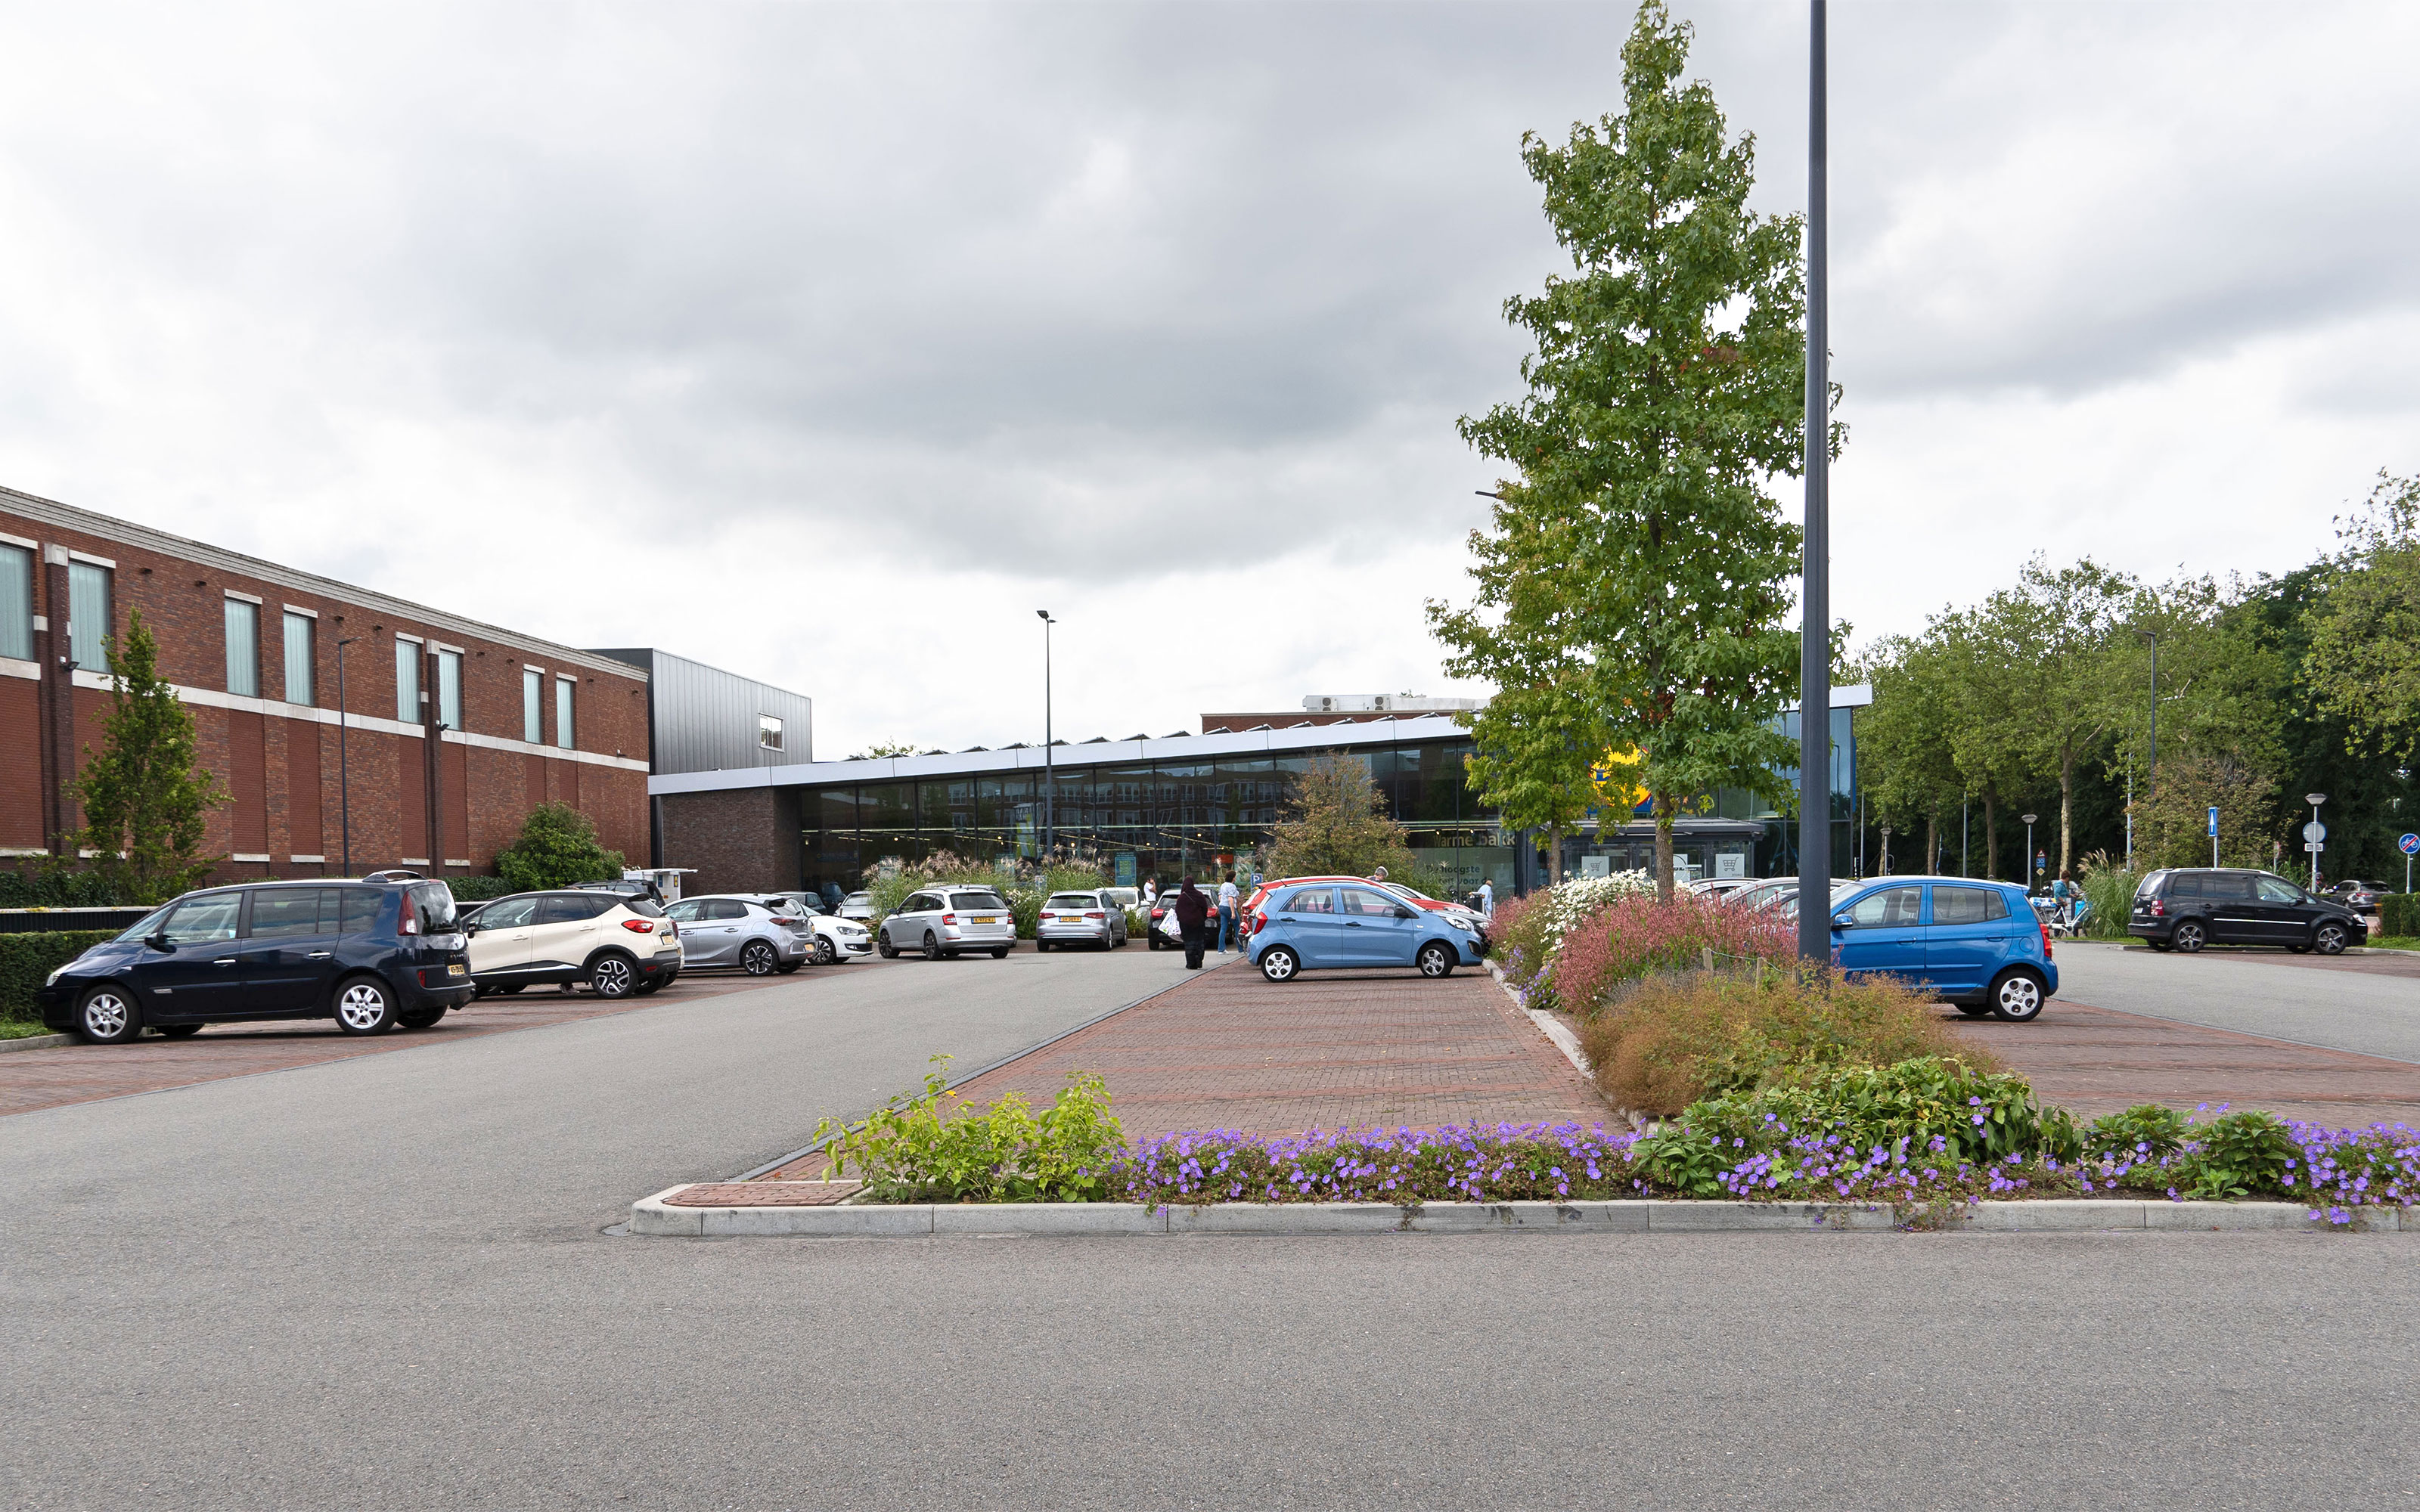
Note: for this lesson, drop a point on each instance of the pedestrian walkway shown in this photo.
(1232, 1050)
(2097, 1060)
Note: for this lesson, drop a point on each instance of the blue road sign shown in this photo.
(2408, 845)
(2214, 821)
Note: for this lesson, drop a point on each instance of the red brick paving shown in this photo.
(2096, 1061)
(762, 1194)
(31, 1079)
(1230, 1050)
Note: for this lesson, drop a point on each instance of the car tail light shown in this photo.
(2045, 929)
(640, 926)
(948, 919)
(411, 921)
(1096, 915)
(2159, 909)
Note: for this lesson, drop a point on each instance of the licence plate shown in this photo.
(454, 970)
(992, 918)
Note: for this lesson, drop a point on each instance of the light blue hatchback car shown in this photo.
(1325, 925)
(1977, 945)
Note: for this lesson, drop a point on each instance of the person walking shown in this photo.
(1192, 907)
(1150, 891)
(1486, 899)
(1227, 899)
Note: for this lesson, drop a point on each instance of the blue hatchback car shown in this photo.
(1325, 925)
(1978, 945)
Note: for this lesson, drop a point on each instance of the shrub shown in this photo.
(1639, 934)
(1666, 1041)
(557, 847)
(2146, 1130)
(2235, 1155)
(1532, 928)
(2398, 915)
(26, 960)
(2110, 889)
(1938, 1104)
(481, 889)
(934, 1148)
(47, 881)
(1503, 1163)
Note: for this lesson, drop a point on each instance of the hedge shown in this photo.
(2398, 914)
(26, 959)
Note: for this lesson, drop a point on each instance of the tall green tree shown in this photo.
(557, 847)
(2364, 652)
(144, 797)
(1664, 389)
(1336, 824)
(1909, 765)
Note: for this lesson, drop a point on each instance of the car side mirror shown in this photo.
(159, 941)
(1406, 912)
(1842, 919)
(470, 926)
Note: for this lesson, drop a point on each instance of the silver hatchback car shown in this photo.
(740, 932)
(949, 920)
(1080, 918)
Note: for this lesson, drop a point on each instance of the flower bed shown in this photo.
(1568, 949)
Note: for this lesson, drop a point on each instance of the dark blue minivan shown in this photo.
(370, 954)
(1978, 945)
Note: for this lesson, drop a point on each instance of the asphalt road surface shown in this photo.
(2338, 1004)
(382, 1282)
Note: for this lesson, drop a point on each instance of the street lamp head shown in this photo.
(1043, 614)
(2315, 799)
(2030, 818)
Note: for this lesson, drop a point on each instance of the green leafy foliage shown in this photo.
(48, 882)
(557, 847)
(1636, 581)
(479, 889)
(2365, 645)
(2149, 1130)
(145, 795)
(27, 960)
(933, 1147)
(2235, 1155)
(2398, 915)
(1978, 1115)
(1336, 824)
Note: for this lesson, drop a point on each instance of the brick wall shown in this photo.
(281, 761)
(743, 840)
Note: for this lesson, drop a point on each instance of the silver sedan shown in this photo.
(1080, 918)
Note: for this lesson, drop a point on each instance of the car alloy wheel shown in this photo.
(107, 1017)
(2017, 997)
(1280, 964)
(757, 959)
(932, 946)
(883, 946)
(364, 1006)
(825, 954)
(1436, 960)
(2329, 939)
(2188, 937)
(611, 977)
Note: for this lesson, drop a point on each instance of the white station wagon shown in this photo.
(949, 921)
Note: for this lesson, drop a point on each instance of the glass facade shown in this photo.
(1142, 818)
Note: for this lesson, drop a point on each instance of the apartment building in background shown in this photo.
(451, 730)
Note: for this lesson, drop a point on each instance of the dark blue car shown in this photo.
(369, 954)
(1976, 945)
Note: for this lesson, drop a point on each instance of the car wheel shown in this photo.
(825, 954)
(2017, 997)
(2329, 939)
(758, 959)
(108, 1015)
(364, 1005)
(883, 947)
(1278, 964)
(178, 1031)
(932, 946)
(1151, 942)
(2189, 936)
(1041, 945)
(1000, 954)
(1436, 959)
(420, 1018)
(613, 977)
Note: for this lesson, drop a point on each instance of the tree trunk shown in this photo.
(1990, 837)
(1554, 857)
(2065, 811)
(1664, 847)
(1931, 843)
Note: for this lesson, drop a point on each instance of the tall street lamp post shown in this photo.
(1815, 595)
(1048, 785)
(344, 772)
(2316, 835)
(2029, 851)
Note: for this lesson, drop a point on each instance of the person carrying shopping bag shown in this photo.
(1192, 907)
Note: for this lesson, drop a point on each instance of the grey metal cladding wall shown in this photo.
(705, 719)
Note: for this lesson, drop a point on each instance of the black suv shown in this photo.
(2187, 909)
(370, 955)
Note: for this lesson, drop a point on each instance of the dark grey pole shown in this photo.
(1815, 595)
(2151, 777)
(1049, 783)
(344, 773)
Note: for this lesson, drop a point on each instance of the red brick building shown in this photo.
(451, 731)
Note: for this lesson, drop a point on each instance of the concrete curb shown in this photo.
(653, 1216)
(36, 1041)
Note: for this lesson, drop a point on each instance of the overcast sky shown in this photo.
(825, 343)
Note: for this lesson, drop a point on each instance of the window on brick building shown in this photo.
(89, 625)
(301, 646)
(407, 680)
(17, 602)
(534, 706)
(449, 688)
(243, 648)
(563, 691)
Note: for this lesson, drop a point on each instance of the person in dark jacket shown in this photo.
(1192, 907)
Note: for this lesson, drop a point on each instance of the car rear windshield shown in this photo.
(644, 907)
(2150, 884)
(1073, 900)
(978, 900)
(434, 903)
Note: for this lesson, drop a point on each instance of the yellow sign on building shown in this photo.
(1617, 779)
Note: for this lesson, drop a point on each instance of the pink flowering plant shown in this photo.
(1634, 935)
